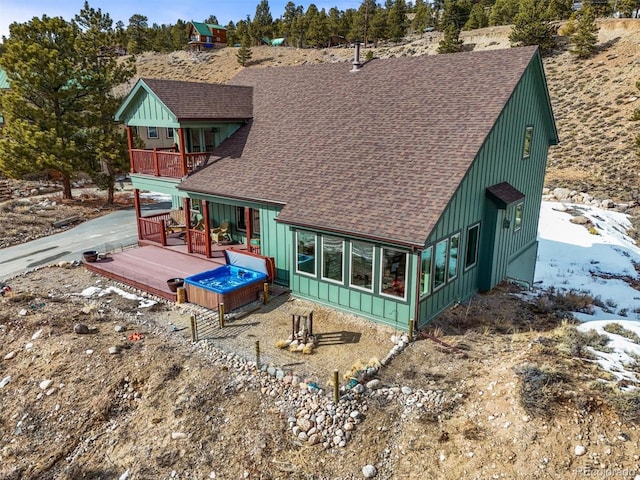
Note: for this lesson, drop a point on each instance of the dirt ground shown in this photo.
(164, 407)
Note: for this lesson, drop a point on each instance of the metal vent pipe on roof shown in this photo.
(356, 58)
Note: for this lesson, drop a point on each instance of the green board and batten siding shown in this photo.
(371, 305)
(499, 160)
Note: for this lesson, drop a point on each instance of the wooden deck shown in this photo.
(149, 267)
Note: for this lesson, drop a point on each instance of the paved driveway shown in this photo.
(106, 233)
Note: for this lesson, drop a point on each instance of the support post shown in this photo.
(194, 329)
(130, 146)
(207, 228)
(336, 388)
(258, 354)
(411, 329)
(221, 314)
(136, 203)
(156, 167)
(265, 289)
(187, 221)
(183, 151)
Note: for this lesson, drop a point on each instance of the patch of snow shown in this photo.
(100, 292)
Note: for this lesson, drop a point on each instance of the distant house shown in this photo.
(4, 85)
(205, 36)
(391, 191)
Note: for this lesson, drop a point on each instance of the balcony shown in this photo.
(168, 164)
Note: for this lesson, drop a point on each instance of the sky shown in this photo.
(156, 11)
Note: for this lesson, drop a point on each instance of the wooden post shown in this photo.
(336, 388)
(265, 289)
(221, 314)
(247, 221)
(130, 145)
(156, 167)
(187, 222)
(410, 329)
(258, 354)
(136, 203)
(207, 228)
(194, 329)
(183, 151)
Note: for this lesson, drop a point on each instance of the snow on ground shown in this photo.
(99, 292)
(601, 262)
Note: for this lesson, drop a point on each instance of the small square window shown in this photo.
(526, 148)
(152, 132)
(169, 132)
(518, 220)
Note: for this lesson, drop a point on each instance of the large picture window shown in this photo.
(440, 264)
(332, 259)
(471, 257)
(361, 265)
(306, 253)
(454, 250)
(425, 275)
(394, 273)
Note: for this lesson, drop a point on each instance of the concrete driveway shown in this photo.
(107, 233)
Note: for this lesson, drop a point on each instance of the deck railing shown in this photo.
(198, 241)
(161, 163)
(152, 227)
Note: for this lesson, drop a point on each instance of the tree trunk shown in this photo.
(66, 187)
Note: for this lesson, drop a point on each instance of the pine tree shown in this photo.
(262, 24)
(397, 20)
(477, 18)
(585, 36)
(137, 34)
(45, 107)
(244, 52)
(532, 27)
(451, 42)
(504, 12)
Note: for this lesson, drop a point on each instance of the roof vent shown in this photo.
(356, 58)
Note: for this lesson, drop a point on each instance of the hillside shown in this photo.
(593, 100)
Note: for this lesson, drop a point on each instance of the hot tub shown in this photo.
(233, 284)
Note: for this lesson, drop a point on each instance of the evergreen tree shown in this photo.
(179, 35)
(379, 26)
(137, 34)
(450, 42)
(532, 27)
(316, 27)
(477, 18)
(232, 34)
(107, 148)
(361, 23)
(262, 24)
(244, 52)
(45, 108)
(422, 18)
(585, 33)
(211, 20)
(504, 12)
(397, 22)
(559, 9)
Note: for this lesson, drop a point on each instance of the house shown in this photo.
(205, 36)
(391, 190)
(4, 85)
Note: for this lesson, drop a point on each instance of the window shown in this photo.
(361, 265)
(526, 148)
(394, 273)
(518, 221)
(241, 221)
(169, 132)
(425, 275)
(454, 249)
(471, 257)
(152, 132)
(306, 253)
(332, 259)
(440, 264)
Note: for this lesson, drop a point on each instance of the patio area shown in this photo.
(149, 267)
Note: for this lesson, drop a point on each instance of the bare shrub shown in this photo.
(626, 404)
(575, 341)
(623, 332)
(540, 389)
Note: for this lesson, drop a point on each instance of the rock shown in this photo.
(23, 312)
(407, 390)
(125, 475)
(45, 384)
(579, 220)
(5, 381)
(374, 384)
(178, 435)
(51, 391)
(560, 207)
(114, 350)
(314, 439)
(562, 193)
(28, 346)
(10, 355)
(369, 471)
(358, 388)
(89, 352)
(579, 450)
(36, 335)
(608, 203)
(355, 414)
(81, 329)
(119, 328)
(304, 424)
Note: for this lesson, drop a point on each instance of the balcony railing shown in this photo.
(161, 163)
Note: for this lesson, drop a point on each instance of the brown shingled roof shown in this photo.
(377, 153)
(200, 101)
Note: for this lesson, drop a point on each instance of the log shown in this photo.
(65, 221)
